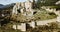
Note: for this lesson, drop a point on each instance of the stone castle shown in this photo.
(25, 8)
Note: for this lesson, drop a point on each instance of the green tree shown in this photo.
(46, 3)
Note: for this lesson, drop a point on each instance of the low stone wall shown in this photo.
(32, 24)
(58, 19)
(21, 27)
(44, 22)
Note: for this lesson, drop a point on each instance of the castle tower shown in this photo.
(15, 8)
(28, 5)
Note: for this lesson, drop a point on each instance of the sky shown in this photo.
(5, 2)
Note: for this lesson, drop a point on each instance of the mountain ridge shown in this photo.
(6, 6)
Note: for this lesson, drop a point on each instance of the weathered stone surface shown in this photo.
(25, 8)
(21, 27)
(45, 22)
(32, 24)
(14, 26)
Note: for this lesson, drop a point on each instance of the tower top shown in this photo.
(28, 1)
(31, 0)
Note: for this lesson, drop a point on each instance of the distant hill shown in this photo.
(6, 6)
(1, 5)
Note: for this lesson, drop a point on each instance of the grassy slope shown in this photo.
(42, 15)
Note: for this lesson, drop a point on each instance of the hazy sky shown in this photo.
(10, 1)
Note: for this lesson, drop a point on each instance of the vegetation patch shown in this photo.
(44, 15)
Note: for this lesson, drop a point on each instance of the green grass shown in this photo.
(41, 15)
(44, 15)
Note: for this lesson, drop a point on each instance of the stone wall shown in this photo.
(32, 24)
(45, 22)
(21, 26)
(48, 8)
